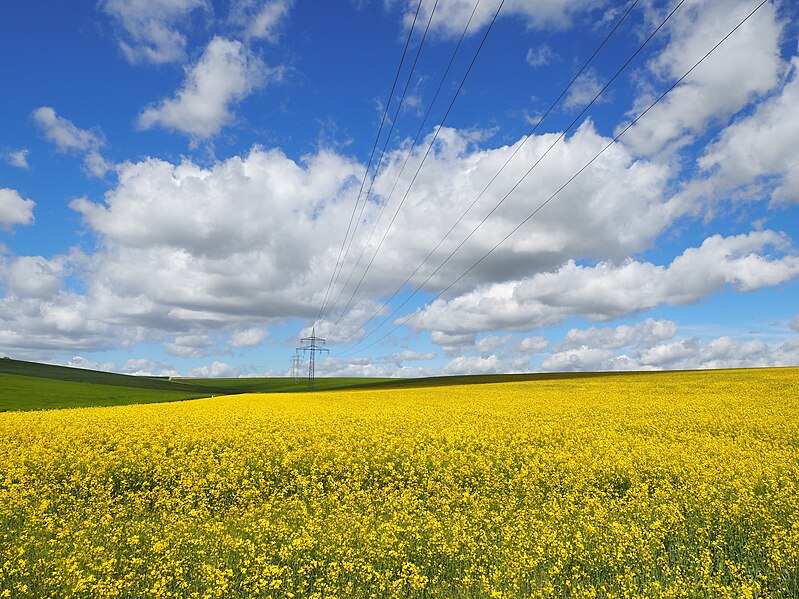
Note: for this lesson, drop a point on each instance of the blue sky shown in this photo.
(177, 178)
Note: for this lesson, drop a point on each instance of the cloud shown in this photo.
(14, 209)
(260, 19)
(228, 247)
(760, 145)
(620, 203)
(453, 345)
(474, 365)
(636, 348)
(644, 334)
(33, 276)
(365, 368)
(216, 370)
(147, 367)
(746, 66)
(596, 348)
(95, 165)
(452, 15)
(533, 344)
(540, 56)
(588, 359)
(491, 353)
(87, 364)
(189, 346)
(608, 290)
(64, 134)
(149, 27)
(584, 90)
(723, 352)
(69, 138)
(63, 323)
(225, 74)
(254, 238)
(795, 323)
(248, 338)
(409, 355)
(17, 158)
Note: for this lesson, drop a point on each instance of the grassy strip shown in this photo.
(285, 384)
(34, 386)
(32, 393)
(82, 375)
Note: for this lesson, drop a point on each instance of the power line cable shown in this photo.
(572, 178)
(514, 187)
(383, 153)
(340, 260)
(408, 155)
(493, 179)
(430, 146)
(530, 170)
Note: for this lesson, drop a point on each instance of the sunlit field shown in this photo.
(642, 485)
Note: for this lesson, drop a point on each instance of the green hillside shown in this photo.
(284, 384)
(32, 393)
(82, 375)
(34, 386)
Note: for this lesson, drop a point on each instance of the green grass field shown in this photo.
(31, 393)
(33, 386)
(281, 384)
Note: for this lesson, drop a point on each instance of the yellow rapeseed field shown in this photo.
(641, 485)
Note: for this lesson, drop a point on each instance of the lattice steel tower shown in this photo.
(311, 347)
(296, 362)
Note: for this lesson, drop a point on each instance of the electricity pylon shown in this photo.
(311, 347)
(296, 362)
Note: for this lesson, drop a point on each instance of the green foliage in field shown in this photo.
(30, 393)
(82, 375)
(283, 385)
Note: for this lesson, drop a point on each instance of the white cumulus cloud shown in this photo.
(149, 28)
(248, 337)
(762, 144)
(474, 365)
(609, 290)
(33, 276)
(17, 158)
(644, 334)
(452, 15)
(244, 241)
(189, 346)
(216, 370)
(14, 209)
(259, 19)
(225, 74)
(540, 55)
(746, 66)
(64, 133)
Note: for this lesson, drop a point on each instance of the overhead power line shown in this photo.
(424, 158)
(566, 184)
(380, 160)
(340, 261)
(493, 179)
(313, 345)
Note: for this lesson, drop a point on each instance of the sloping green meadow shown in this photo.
(33, 386)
